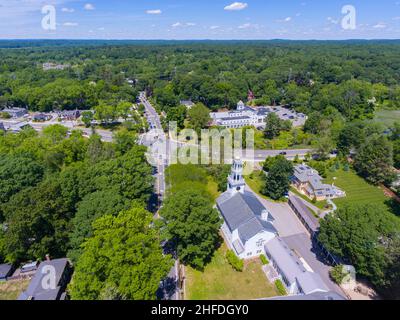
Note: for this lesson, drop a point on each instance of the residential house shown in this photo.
(69, 115)
(247, 223)
(54, 66)
(187, 103)
(286, 266)
(6, 270)
(308, 182)
(15, 112)
(42, 287)
(41, 117)
(16, 128)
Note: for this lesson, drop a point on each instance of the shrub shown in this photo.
(234, 261)
(337, 274)
(280, 287)
(264, 260)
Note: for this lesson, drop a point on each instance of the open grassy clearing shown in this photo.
(220, 282)
(358, 191)
(11, 290)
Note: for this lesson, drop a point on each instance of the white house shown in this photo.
(247, 223)
(248, 116)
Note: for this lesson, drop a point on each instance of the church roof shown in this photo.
(243, 211)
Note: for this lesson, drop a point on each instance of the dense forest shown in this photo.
(352, 77)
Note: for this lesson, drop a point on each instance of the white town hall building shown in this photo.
(247, 223)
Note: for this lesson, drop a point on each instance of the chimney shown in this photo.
(48, 257)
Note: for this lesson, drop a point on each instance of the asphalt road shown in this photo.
(168, 289)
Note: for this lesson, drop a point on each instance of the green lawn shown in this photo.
(255, 182)
(11, 290)
(358, 191)
(212, 188)
(388, 117)
(220, 282)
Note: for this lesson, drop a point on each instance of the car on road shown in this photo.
(283, 153)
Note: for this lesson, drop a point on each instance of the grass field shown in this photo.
(358, 191)
(388, 117)
(212, 188)
(11, 290)
(255, 182)
(220, 282)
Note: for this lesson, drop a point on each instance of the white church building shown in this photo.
(247, 223)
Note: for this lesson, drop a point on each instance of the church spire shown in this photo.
(236, 181)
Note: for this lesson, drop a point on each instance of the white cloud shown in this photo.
(236, 6)
(331, 20)
(214, 27)
(180, 24)
(380, 25)
(396, 18)
(71, 24)
(287, 19)
(245, 26)
(249, 26)
(68, 10)
(89, 6)
(157, 11)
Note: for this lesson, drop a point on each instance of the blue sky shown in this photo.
(200, 19)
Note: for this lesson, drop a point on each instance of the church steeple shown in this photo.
(236, 181)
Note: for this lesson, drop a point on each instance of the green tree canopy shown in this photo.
(357, 233)
(122, 261)
(192, 225)
(374, 160)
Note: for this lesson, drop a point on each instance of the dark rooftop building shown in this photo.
(6, 271)
(41, 288)
(305, 215)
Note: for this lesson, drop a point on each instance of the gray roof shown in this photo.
(5, 270)
(288, 263)
(305, 213)
(243, 212)
(311, 282)
(35, 289)
(317, 296)
(292, 268)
